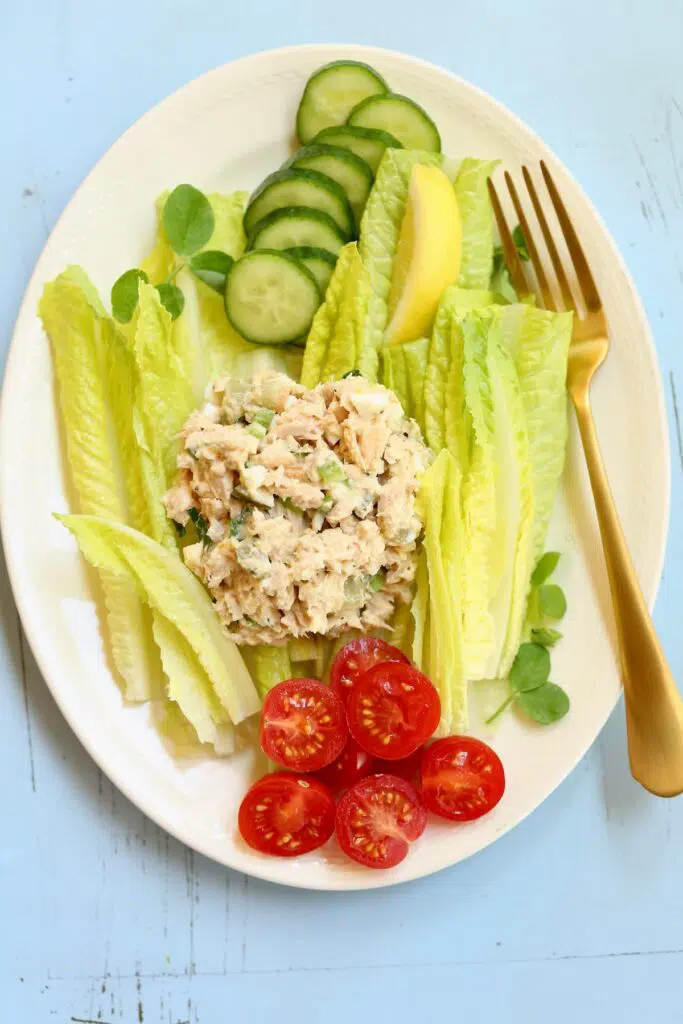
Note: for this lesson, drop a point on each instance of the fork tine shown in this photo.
(584, 276)
(514, 263)
(546, 294)
(567, 296)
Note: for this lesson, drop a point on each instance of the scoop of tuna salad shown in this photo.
(304, 505)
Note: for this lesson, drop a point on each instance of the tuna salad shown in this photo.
(303, 503)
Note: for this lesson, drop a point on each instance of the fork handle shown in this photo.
(654, 709)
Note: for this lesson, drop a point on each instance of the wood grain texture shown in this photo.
(104, 917)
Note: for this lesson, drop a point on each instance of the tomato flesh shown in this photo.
(286, 815)
(353, 764)
(392, 710)
(303, 726)
(461, 778)
(378, 819)
(356, 658)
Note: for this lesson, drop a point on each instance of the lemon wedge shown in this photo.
(428, 254)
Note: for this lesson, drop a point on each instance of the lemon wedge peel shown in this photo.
(428, 254)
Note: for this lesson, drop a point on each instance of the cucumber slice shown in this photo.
(270, 298)
(297, 225)
(344, 167)
(367, 143)
(320, 262)
(331, 93)
(401, 116)
(299, 187)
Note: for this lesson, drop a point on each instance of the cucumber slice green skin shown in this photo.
(270, 297)
(319, 261)
(400, 116)
(367, 143)
(295, 226)
(332, 92)
(344, 167)
(299, 187)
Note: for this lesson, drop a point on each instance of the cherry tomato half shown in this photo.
(303, 725)
(353, 764)
(392, 710)
(407, 768)
(378, 819)
(461, 778)
(356, 657)
(286, 815)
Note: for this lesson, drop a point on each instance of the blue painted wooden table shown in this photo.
(577, 915)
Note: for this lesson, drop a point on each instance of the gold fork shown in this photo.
(654, 709)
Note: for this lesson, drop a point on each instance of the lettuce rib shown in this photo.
(169, 587)
(439, 503)
(95, 379)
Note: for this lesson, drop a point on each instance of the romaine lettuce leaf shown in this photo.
(203, 338)
(472, 194)
(439, 505)
(495, 398)
(486, 432)
(512, 552)
(403, 371)
(476, 431)
(444, 364)
(228, 231)
(402, 629)
(189, 687)
(169, 587)
(395, 375)
(419, 611)
(337, 340)
(228, 234)
(182, 740)
(95, 378)
(539, 341)
(436, 377)
(416, 354)
(163, 401)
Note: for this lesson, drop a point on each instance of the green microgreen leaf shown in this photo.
(188, 219)
(520, 243)
(530, 668)
(545, 705)
(546, 566)
(124, 294)
(172, 299)
(552, 603)
(212, 267)
(545, 636)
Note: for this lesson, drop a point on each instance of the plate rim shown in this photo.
(259, 869)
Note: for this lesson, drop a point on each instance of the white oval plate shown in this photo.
(225, 131)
